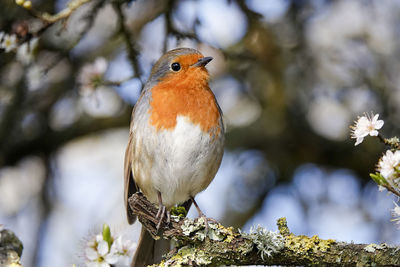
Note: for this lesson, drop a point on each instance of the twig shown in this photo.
(392, 142)
(132, 52)
(170, 28)
(63, 14)
(251, 15)
(382, 139)
(118, 83)
(91, 16)
(391, 189)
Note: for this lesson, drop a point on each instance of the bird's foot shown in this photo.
(162, 211)
(205, 218)
(207, 221)
(160, 216)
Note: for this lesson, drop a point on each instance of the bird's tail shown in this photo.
(149, 251)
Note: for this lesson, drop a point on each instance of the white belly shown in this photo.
(182, 162)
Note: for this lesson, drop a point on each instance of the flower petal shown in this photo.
(359, 141)
(373, 133)
(379, 124)
(111, 258)
(91, 254)
(92, 264)
(102, 248)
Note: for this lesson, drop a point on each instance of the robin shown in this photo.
(176, 141)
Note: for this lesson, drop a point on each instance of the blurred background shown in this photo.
(290, 77)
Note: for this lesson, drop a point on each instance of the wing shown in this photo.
(129, 182)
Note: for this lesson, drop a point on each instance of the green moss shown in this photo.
(178, 211)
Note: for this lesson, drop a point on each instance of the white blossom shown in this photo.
(389, 165)
(9, 42)
(99, 253)
(366, 125)
(396, 213)
(124, 250)
(91, 75)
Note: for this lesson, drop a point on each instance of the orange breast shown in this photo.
(186, 94)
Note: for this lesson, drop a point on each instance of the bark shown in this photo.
(227, 246)
(10, 248)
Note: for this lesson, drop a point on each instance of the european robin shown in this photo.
(176, 139)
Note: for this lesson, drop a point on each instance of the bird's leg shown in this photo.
(168, 217)
(161, 212)
(201, 214)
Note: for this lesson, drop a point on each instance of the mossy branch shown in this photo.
(10, 248)
(226, 246)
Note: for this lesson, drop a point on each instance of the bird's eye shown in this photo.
(175, 66)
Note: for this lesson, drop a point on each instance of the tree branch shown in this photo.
(226, 246)
(170, 28)
(50, 140)
(128, 39)
(63, 14)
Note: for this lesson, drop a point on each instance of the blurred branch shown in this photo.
(117, 83)
(50, 140)
(63, 14)
(91, 16)
(225, 246)
(128, 39)
(46, 207)
(251, 15)
(299, 145)
(11, 117)
(170, 28)
(48, 19)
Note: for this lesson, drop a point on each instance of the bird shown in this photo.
(176, 141)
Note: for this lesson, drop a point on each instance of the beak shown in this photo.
(202, 62)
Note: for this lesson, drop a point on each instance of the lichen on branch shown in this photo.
(227, 246)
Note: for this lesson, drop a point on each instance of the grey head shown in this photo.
(168, 63)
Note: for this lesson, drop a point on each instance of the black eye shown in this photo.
(175, 66)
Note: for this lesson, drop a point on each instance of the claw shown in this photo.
(161, 212)
(201, 214)
(168, 217)
(160, 219)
